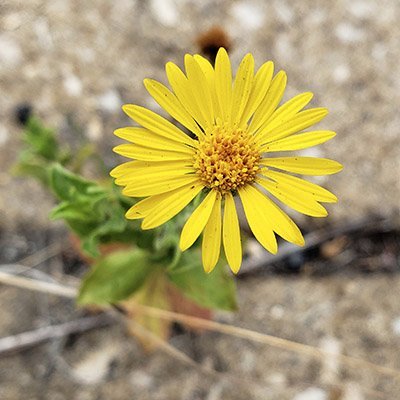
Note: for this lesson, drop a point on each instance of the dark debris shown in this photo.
(367, 249)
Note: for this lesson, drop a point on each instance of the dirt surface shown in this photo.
(339, 296)
(77, 62)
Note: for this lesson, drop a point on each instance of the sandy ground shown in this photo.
(78, 62)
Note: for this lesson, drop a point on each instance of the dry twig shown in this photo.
(38, 286)
(28, 339)
(212, 326)
(43, 254)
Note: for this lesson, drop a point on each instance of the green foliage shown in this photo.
(68, 186)
(216, 290)
(95, 212)
(92, 211)
(28, 165)
(41, 140)
(115, 277)
(41, 150)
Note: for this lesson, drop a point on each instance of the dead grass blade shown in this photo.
(231, 330)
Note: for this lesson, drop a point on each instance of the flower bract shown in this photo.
(231, 128)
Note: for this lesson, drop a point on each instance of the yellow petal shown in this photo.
(269, 213)
(161, 184)
(261, 83)
(205, 66)
(144, 137)
(304, 165)
(300, 141)
(156, 123)
(169, 102)
(144, 207)
(148, 154)
(294, 198)
(200, 89)
(242, 88)
(223, 83)
(180, 85)
(123, 169)
(231, 234)
(256, 214)
(286, 112)
(317, 192)
(169, 204)
(149, 170)
(209, 73)
(211, 245)
(197, 221)
(149, 174)
(300, 121)
(270, 101)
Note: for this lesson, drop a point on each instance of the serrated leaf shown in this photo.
(115, 277)
(68, 211)
(27, 166)
(41, 139)
(106, 229)
(69, 186)
(216, 290)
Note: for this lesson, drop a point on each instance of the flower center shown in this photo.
(227, 159)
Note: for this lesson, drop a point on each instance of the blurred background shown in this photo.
(75, 63)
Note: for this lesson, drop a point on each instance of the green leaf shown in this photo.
(216, 290)
(42, 140)
(94, 212)
(109, 225)
(28, 166)
(115, 277)
(74, 211)
(69, 186)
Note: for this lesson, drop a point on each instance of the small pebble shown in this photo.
(43, 34)
(277, 311)
(248, 15)
(3, 135)
(215, 392)
(94, 129)
(283, 12)
(95, 366)
(141, 380)
(248, 361)
(348, 33)
(284, 47)
(330, 364)
(72, 85)
(110, 101)
(379, 51)
(341, 73)
(311, 393)
(352, 391)
(165, 11)
(277, 379)
(396, 326)
(10, 52)
(361, 9)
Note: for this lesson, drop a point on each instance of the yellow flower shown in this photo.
(234, 125)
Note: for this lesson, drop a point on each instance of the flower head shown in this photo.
(235, 125)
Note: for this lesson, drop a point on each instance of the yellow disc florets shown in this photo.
(227, 159)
